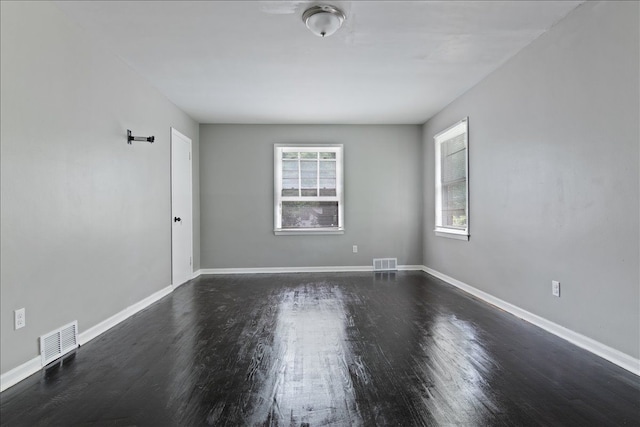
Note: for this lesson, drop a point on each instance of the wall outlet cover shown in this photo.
(555, 288)
(20, 318)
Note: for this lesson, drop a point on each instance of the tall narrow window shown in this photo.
(308, 189)
(452, 181)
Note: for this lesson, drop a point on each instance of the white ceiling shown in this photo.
(256, 62)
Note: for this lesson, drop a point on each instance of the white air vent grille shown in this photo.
(57, 343)
(385, 264)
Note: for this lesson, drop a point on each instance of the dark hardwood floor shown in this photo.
(365, 349)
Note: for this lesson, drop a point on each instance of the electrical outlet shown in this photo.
(20, 318)
(355, 249)
(555, 288)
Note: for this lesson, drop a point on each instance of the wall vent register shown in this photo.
(385, 264)
(57, 343)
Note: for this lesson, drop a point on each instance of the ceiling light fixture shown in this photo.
(323, 20)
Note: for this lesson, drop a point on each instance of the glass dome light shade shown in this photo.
(323, 20)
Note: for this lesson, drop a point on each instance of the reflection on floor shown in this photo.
(341, 349)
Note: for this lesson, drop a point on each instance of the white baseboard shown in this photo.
(23, 371)
(617, 357)
(193, 275)
(123, 315)
(272, 270)
(19, 373)
(410, 268)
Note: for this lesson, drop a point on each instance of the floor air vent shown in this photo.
(385, 264)
(57, 343)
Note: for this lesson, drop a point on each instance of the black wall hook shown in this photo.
(139, 138)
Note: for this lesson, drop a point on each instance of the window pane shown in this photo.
(289, 165)
(451, 190)
(290, 183)
(290, 169)
(309, 214)
(328, 192)
(454, 166)
(454, 202)
(454, 196)
(307, 175)
(327, 183)
(290, 187)
(453, 145)
(309, 169)
(310, 187)
(327, 169)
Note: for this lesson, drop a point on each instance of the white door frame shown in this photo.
(176, 134)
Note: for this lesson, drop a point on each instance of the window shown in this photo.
(452, 181)
(308, 189)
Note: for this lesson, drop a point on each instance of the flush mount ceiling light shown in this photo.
(323, 20)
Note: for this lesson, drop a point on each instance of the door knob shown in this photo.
(176, 219)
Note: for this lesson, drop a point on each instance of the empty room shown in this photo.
(300, 213)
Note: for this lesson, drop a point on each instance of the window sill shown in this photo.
(452, 234)
(307, 231)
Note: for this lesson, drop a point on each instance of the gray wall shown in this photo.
(85, 217)
(383, 201)
(554, 178)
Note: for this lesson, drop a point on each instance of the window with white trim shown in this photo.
(308, 189)
(452, 181)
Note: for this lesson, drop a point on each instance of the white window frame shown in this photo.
(278, 149)
(461, 127)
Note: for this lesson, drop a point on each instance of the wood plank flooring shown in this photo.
(306, 350)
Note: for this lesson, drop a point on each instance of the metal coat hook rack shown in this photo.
(139, 138)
